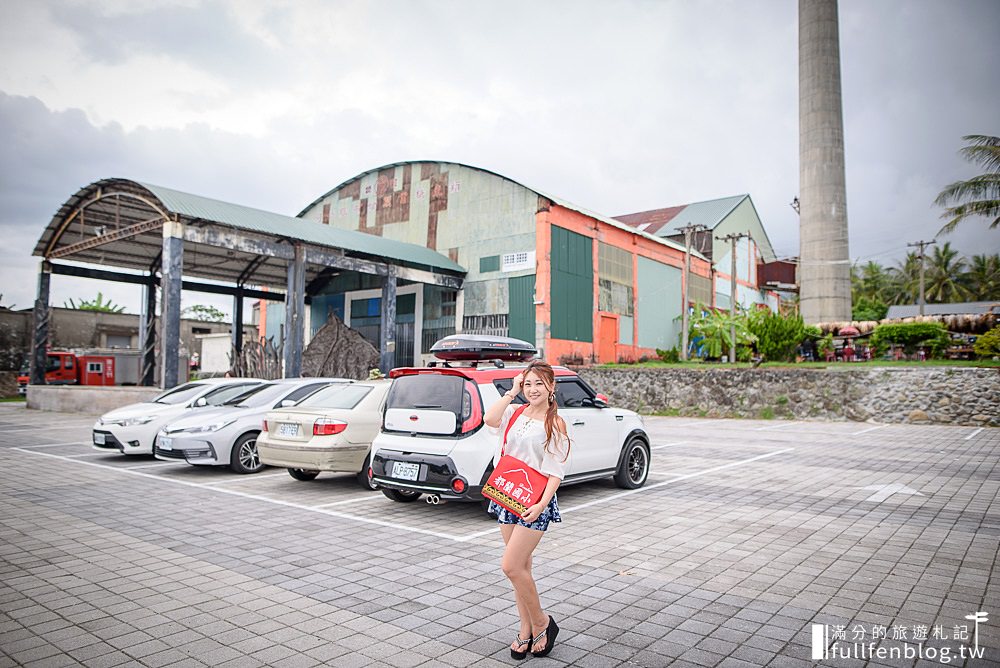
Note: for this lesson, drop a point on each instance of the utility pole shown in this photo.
(920, 254)
(687, 229)
(732, 239)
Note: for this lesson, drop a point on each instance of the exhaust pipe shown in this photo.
(433, 499)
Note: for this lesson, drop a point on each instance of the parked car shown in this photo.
(132, 429)
(227, 435)
(330, 430)
(433, 440)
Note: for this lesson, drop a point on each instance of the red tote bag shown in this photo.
(513, 484)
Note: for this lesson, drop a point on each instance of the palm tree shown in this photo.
(904, 281)
(980, 195)
(870, 281)
(983, 277)
(943, 280)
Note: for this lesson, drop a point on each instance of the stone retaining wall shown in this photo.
(939, 395)
(86, 399)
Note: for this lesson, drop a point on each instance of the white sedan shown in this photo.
(227, 435)
(132, 429)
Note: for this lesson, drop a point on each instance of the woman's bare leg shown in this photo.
(524, 632)
(516, 566)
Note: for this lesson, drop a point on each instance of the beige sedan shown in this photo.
(331, 430)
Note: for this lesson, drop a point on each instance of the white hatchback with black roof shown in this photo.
(433, 440)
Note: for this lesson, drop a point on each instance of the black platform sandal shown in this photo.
(514, 654)
(550, 633)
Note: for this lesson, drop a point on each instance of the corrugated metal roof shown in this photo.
(669, 221)
(961, 308)
(556, 200)
(267, 222)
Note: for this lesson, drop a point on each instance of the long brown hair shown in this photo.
(552, 425)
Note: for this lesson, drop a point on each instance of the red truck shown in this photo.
(114, 367)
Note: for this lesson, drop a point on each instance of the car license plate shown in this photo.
(165, 443)
(99, 439)
(288, 429)
(405, 470)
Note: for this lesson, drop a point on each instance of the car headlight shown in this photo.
(129, 422)
(201, 429)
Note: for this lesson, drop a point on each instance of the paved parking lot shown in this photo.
(754, 543)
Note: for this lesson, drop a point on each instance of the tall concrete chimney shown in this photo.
(824, 257)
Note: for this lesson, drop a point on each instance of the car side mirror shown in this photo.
(285, 403)
(603, 398)
(201, 401)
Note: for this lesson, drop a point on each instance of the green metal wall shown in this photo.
(521, 322)
(572, 294)
(659, 303)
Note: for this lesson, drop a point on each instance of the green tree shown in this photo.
(713, 330)
(865, 308)
(983, 277)
(778, 336)
(97, 304)
(904, 281)
(943, 277)
(980, 195)
(202, 312)
(870, 281)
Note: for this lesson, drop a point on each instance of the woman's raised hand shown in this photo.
(518, 382)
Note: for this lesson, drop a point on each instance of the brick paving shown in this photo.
(747, 534)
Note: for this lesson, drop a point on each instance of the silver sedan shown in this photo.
(227, 435)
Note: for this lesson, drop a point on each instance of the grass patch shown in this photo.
(782, 400)
(9, 400)
(767, 413)
(668, 412)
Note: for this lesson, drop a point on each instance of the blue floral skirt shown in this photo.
(550, 514)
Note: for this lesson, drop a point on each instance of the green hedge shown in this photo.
(911, 335)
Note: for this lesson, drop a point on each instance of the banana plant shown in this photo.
(714, 329)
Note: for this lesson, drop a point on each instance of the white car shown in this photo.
(227, 435)
(132, 429)
(330, 430)
(434, 441)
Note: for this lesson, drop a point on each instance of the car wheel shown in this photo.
(363, 478)
(401, 496)
(634, 467)
(244, 457)
(302, 474)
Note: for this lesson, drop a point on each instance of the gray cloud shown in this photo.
(618, 108)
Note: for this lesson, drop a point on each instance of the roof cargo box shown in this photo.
(463, 347)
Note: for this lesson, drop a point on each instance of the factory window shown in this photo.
(491, 263)
(614, 267)
(700, 290)
(518, 261)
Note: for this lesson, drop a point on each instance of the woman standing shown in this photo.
(537, 437)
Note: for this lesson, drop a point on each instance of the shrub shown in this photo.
(670, 356)
(988, 344)
(777, 336)
(869, 309)
(931, 335)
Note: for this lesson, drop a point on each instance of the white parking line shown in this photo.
(56, 445)
(667, 445)
(865, 431)
(643, 489)
(84, 454)
(254, 497)
(359, 499)
(777, 426)
(973, 434)
(151, 466)
(242, 478)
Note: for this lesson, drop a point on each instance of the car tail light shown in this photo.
(328, 427)
(265, 425)
(472, 407)
(458, 485)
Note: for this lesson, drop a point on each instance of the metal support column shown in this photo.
(40, 337)
(294, 307)
(172, 266)
(237, 332)
(387, 332)
(147, 332)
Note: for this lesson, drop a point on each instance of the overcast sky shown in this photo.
(616, 106)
